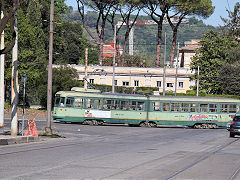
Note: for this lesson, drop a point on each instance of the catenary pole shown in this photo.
(198, 81)
(114, 56)
(86, 64)
(164, 64)
(176, 76)
(2, 80)
(15, 87)
(48, 128)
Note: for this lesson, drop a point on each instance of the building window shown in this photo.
(125, 83)
(115, 82)
(91, 81)
(136, 83)
(169, 84)
(159, 83)
(180, 84)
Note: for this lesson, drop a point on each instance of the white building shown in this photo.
(145, 77)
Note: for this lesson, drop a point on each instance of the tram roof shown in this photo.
(152, 97)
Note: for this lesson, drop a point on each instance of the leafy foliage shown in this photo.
(211, 57)
(64, 78)
(130, 61)
(232, 24)
(229, 78)
(33, 26)
(145, 39)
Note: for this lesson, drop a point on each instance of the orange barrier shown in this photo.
(31, 128)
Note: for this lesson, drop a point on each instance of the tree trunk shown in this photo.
(100, 53)
(158, 53)
(174, 41)
(124, 48)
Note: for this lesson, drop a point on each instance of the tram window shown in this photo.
(97, 104)
(156, 106)
(124, 105)
(57, 101)
(175, 107)
(116, 104)
(203, 107)
(232, 108)
(78, 102)
(90, 103)
(140, 105)
(223, 108)
(133, 105)
(166, 106)
(193, 107)
(62, 101)
(69, 102)
(184, 107)
(213, 108)
(107, 104)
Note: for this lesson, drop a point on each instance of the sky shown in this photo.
(214, 19)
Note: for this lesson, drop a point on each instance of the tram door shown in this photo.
(116, 113)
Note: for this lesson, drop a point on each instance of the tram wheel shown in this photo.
(85, 122)
(144, 124)
(152, 124)
(215, 126)
(197, 126)
(204, 126)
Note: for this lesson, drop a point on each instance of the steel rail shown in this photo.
(202, 159)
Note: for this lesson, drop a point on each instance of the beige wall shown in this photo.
(146, 76)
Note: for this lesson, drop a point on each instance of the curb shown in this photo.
(18, 140)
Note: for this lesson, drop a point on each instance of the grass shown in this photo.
(54, 134)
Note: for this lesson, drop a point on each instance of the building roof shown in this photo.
(108, 51)
(190, 45)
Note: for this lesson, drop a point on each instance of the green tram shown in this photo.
(95, 108)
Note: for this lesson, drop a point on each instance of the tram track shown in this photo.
(233, 177)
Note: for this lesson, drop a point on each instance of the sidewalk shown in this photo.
(8, 139)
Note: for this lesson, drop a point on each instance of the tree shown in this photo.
(231, 25)
(210, 57)
(126, 10)
(183, 8)
(152, 8)
(34, 41)
(229, 78)
(64, 78)
(8, 16)
(71, 43)
(103, 8)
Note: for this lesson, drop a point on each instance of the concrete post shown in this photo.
(48, 128)
(114, 55)
(2, 81)
(86, 63)
(164, 64)
(15, 86)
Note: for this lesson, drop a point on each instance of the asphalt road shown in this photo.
(121, 152)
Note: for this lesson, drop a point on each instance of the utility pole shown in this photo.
(86, 63)
(15, 87)
(114, 55)
(176, 76)
(164, 64)
(197, 80)
(2, 58)
(48, 128)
